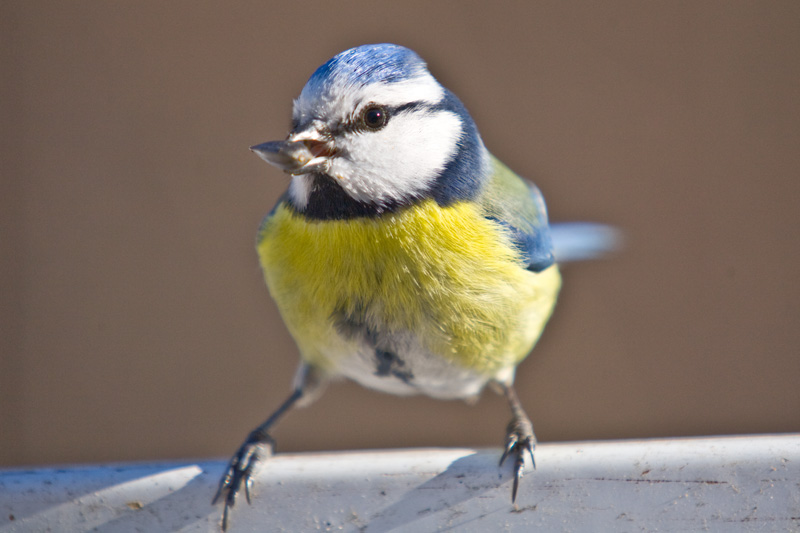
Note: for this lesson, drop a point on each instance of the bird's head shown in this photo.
(373, 129)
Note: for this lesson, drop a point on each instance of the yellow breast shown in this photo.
(448, 275)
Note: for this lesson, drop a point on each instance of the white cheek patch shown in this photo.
(400, 161)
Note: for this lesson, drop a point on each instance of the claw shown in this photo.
(224, 482)
(530, 447)
(225, 519)
(520, 440)
(512, 439)
(240, 471)
(257, 446)
(248, 484)
(518, 447)
(514, 488)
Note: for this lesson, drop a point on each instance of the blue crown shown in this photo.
(368, 64)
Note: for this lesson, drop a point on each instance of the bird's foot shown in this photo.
(519, 441)
(258, 447)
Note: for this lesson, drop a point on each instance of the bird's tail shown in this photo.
(579, 241)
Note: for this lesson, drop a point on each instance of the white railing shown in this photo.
(748, 483)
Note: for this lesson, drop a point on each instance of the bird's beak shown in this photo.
(301, 153)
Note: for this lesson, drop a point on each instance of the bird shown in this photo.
(403, 256)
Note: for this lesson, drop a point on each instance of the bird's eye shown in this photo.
(374, 117)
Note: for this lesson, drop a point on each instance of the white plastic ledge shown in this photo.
(747, 483)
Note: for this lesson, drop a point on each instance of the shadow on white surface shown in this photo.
(749, 483)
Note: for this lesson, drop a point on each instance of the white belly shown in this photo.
(409, 369)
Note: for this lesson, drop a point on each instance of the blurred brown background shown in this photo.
(135, 324)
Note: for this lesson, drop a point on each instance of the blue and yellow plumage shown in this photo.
(448, 280)
(403, 255)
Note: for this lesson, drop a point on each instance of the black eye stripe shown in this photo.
(411, 106)
(350, 126)
(353, 125)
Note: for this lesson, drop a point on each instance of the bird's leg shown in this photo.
(519, 436)
(258, 446)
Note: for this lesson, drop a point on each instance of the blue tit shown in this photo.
(403, 255)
